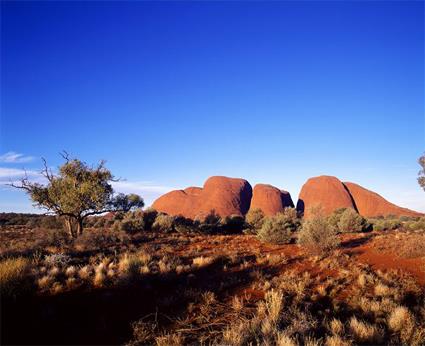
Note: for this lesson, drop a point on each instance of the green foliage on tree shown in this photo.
(78, 191)
(421, 178)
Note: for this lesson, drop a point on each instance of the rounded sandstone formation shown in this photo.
(226, 196)
(325, 191)
(270, 199)
(221, 195)
(177, 202)
(370, 204)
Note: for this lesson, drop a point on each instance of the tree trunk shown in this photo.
(79, 226)
(72, 227)
(68, 226)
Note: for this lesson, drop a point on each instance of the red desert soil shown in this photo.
(366, 251)
(225, 196)
(370, 204)
(270, 199)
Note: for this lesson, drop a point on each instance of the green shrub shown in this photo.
(96, 238)
(318, 235)
(351, 221)
(279, 229)
(415, 225)
(133, 222)
(14, 278)
(255, 218)
(149, 216)
(335, 217)
(184, 225)
(132, 226)
(211, 223)
(404, 218)
(163, 223)
(233, 223)
(385, 224)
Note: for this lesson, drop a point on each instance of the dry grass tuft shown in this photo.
(70, 271)
(235, 335)
(382, 290)
(282, 339)
(336, 327)
(336, 340)
(13, 272)
(99, 275)
(202, 261)
(401, 321)
(364, 332)
(237, 303)
(273, 303)
(169, 340)
(129, 267)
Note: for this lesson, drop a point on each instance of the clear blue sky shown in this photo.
(170, 93)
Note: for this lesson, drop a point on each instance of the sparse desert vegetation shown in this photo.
(143, 277)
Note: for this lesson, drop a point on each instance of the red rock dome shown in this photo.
(370, 204)
(326, 191)
(225, 196)
(270, 199)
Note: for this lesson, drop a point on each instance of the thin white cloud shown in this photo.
(13, 175)
(149, 191)
(14, 157)
(6, 172)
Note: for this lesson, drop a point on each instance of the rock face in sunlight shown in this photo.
(370, 204)
(327, 191)
(225, 196)
(231, 196)
(270, 199)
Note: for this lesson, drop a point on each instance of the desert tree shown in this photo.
(76, 192)
(421, 178)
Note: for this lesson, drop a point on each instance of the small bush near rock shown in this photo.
(133, 222)
(415, 225)
(335, 217)
(233, 223)
(351, 221)
(254, 220)
(318, 235)
(211, 223)
(386, 224)
(163, 223)
(149, 216)
(279, 229)
(184, 225)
